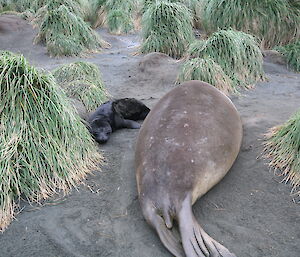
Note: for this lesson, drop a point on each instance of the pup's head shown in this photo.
(101, 131)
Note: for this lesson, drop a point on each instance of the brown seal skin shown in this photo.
(186, 145)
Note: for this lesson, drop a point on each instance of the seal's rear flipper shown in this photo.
(196, 242)
(167, 236)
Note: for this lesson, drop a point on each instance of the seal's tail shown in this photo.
(168, 236)
(196, 242)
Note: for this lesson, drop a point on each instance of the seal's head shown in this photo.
(101, 130)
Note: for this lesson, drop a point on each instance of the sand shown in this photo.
(249, 211)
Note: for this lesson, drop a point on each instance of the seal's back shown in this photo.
(186, 145)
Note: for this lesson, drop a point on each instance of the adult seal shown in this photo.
(186, 145)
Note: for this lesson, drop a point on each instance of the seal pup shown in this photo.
(186, 145)
(116, 114)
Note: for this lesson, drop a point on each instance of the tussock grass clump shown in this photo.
(282, 146)
(49, 5)
(208, 71)
(119, 17)
(275, 22)
(125, 5)
(82, 81)
(6, 6)
(27, 5)
(292, 55)
(119, 22)
(44, 147)
(146, 4)
(188, 3)
(237, 53)
(192, 5)
(97, 14)
(82, 8)
(87, 9)
(64, 33)
(167, 28)
(4, 3)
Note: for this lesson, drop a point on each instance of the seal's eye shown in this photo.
(108, 131)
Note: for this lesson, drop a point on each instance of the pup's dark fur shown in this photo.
(116, 114)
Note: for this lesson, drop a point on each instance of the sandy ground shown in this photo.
(250, 212)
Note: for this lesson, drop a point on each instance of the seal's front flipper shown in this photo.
(196, 242)
(131, 124)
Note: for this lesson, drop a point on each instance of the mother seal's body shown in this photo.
(187, 144)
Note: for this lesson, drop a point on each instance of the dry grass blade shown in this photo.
(44, 147)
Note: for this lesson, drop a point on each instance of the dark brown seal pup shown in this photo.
(116, 114)
(186, 145)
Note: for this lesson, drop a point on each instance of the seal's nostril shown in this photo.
(101, 139)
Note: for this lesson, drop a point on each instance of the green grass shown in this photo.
(119, 17)
(192, 5)
(167, 28)
(146, 4)
(275, 22)
(237, 53)
(292, 55)
(24, 8)
(282, 147)
(5, 5)
(119, 22)
(188, 3)
(83, 7)
(96, 14)
(4, 2)
(66, 34)
(44, 146)
(82, 81)
(25, 5)
(116, 4)
(87, 9)
(76, 6)
(208, 71)
(73, 6)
